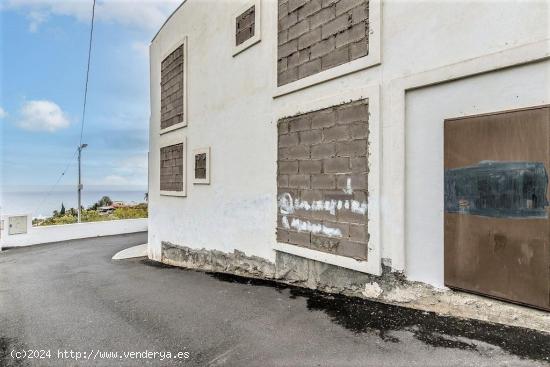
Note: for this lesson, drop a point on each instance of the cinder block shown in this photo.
(282, 235)
(359, 130)
(336, 57)
(282, 180)
(322, 17)
(309, 8)
(323, 118)
(283, 9)
(309, 68)
(357, 250)
(336, 25)
(336, 165)
(359, 165)
(323, 47)
(325, 150)
(309, 38)
(344, 215)
(343, 227)
(311, 195)
(282, 65)
(300, 123)
(324, 243)
(288, 167)
(359, 49)
(310, 166)
(350, 35)
(299, 152)
(358, 232)
(352, 113)
(354, 148)
(288, 48)
(282, 37)
(288, 140)
(287, 76)
(323, 181)
(360, 14)
(299, 181)
(295, 4)
(343, 6)
(288, 21)
(298, 29)
(282, 127)
(310, 137)
(361, 196)
(359, 181)
(299, 238)
(336, 133)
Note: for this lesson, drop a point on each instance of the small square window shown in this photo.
(247, 26)
(201, 166)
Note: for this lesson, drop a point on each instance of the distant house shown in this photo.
(106, 209)
(305, 140)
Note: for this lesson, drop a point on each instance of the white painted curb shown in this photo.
(136, 251)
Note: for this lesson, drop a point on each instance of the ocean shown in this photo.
(38, 203)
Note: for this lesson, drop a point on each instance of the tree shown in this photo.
(105, 201)
(62, 211)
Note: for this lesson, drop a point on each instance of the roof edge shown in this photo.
(167, 19)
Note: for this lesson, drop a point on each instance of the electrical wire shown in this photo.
(83, 113)
(87, 74)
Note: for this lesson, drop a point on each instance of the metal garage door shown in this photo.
(496, 205)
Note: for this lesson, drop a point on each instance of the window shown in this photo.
(173, 89)
(247, 26)
(172, 169)
(201, 168)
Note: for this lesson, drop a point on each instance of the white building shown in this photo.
(256, 132)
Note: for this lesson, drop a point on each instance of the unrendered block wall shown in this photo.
(172, 89)
(245, 25)
(322, 180)
(171, 168)
(316, 35)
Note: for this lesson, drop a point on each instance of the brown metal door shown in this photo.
(497, 227)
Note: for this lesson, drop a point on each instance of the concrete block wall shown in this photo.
(171, 104)
(245, 25)
(322, 180)
(171, 168)
(316, 35)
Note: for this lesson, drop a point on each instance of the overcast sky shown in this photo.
(44, 46)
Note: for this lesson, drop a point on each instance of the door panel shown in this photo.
(497, 239)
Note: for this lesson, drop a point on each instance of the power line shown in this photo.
(39, 207)
(87, 73)
(83, 112)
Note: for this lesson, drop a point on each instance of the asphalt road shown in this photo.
(71, 297)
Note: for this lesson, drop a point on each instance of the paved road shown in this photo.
(73, 297)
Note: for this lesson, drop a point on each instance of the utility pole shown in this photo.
(82, 146)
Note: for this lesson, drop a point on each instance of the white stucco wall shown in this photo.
(47, 234)
(233, 107)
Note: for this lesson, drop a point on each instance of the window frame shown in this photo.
(257, 37)
(169, 140)
(180, 42)
(206, 180)
(373, 58)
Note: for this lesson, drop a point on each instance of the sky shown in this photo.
(43, 56)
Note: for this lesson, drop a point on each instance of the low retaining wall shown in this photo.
(64, 232)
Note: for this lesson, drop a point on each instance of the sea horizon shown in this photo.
(41, 201)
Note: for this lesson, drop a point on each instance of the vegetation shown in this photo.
(93, 214)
